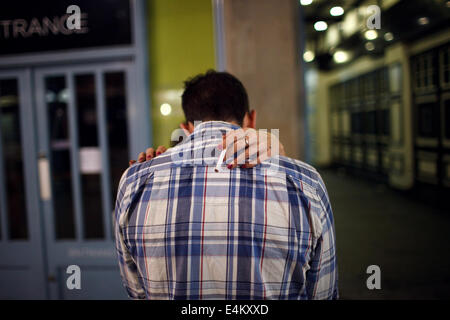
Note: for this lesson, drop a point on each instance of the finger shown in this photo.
(275, 146)
(224, 144)
(149, 153)
(246, 148)
(240, 159)
(141, 157)
(265, 144)
(263, 157)
(232, 136)
(232, 150)
(240, 139)
(251, 154)
(160, 150)
(257, 150)
(251, 136)
(131, 162)
(235, 149)
(229, 155)
(264, 153)
(252, 149)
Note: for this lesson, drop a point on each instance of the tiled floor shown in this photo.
(408, 240)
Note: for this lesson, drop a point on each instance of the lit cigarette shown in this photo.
(220, 160)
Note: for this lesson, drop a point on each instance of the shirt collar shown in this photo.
(214, 125)
(207, 130)
(210, 129)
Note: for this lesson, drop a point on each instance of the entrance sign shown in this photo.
(27, 27)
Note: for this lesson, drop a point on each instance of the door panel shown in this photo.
(61, 157)
(89, 148)
(21, 252)
(57, 111)
(83, 133)
(13, 173)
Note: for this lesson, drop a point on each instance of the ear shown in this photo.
(188, 127)
(250, 120)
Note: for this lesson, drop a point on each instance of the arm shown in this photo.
(127, 265)
(322, 277)
(252, 147)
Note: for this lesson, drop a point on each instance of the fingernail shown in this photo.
(219, 147)
(158, 153)
(229, 166)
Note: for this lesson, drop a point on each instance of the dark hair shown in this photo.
(214, 96)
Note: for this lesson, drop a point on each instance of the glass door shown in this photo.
(84, 116)
(22, 274)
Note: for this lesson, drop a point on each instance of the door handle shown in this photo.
(44, 177)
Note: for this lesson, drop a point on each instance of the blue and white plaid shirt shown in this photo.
(184, 231)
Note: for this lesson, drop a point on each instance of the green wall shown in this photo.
(180, 45)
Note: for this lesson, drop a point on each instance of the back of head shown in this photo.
(215, 96)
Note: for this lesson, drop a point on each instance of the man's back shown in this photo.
(184, 231)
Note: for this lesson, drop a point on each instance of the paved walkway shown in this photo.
(409, 240)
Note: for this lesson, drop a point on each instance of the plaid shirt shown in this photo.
(184, 231)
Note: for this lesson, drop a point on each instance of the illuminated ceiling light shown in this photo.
(305, 2)
(336, 11)
(340, 56)
(308, 56)
(369, 46)
(388, 36)
(165, 109)
(423, 21)
(320, 26)
(371, 34)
